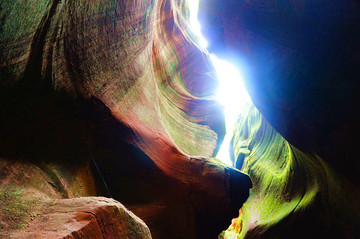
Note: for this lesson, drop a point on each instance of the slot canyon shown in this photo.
(110, 126)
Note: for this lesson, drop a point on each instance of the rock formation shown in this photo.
(295, 194)
(302, 60)
(88, 217)
(113, 98)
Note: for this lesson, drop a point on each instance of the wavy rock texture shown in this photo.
(113, 98)
(295, 195)
(302, 60)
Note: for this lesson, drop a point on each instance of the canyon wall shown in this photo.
(302, 73)
(294, 194)
(111, 98)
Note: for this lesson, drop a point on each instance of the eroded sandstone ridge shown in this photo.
(83, 217)
(113, 98)
(294, 194)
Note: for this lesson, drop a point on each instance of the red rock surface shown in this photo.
(86, 217)
(114, 98)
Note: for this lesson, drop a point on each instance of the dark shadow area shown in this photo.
(52, 130)
(303, 60)
(133, 179)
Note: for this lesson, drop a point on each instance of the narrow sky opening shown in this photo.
(231, 93)
(194, 23)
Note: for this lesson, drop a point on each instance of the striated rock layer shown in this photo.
(114, 98)
(295, 194)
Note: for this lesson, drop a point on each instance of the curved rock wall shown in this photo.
(294, 194)
(302, 61)
(116, 92)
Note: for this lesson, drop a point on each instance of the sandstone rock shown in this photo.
(88, 217)
(295, 194)
(114, 98)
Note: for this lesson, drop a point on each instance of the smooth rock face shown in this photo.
(295, 195)
(87, 217)
(113, 98)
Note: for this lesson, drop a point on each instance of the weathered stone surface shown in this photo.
(31, 206)
(87, 217)
(49, 179)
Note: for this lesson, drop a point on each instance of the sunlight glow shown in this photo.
(231, 93)
(194, 23)
(233, 96)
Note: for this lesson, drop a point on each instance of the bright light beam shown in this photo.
(194, 23)
(231, 92)
(233, 96)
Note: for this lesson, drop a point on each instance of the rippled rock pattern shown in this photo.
(113, 98)
(294, 194)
